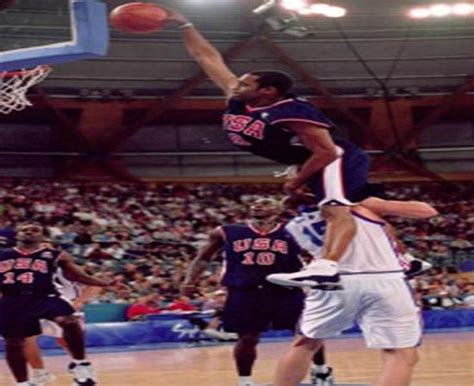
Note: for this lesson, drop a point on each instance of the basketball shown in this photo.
(138, 17)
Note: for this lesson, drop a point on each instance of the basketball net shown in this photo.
(14, 85)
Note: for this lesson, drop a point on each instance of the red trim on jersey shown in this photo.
(251, 109)
(341, 175)
(25, 252)
(261, 233)
(318, 123)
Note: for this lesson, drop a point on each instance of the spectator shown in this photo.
(146, 305)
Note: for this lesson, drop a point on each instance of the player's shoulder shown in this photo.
(293, 102)
(235, 227)
(48, 248)
(6, 251)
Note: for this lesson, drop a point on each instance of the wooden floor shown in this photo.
(446, 359)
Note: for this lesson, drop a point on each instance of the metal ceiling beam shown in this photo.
(447, 103)
(313, 82)
(162, 105)
(63, 119)
(217, 103)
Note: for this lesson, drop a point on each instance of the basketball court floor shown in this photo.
(445, 359)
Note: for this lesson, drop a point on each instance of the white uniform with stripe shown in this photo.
(376, 294)
(69, 291)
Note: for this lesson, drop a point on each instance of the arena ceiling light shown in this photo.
(442, 10)
(310, 7)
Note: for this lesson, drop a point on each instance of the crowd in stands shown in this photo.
(144, 236)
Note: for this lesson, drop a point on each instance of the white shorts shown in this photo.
(50, 328)
(381, 304)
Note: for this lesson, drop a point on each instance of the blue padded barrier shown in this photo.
(103, 313)
(174, 329)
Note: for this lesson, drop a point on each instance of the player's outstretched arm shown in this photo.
(408, 209)
(202, 260)
(75, 273)
(205, 54)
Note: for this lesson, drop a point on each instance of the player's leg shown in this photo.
(325, 314)
(73, 335)
(391, 323)
(321, 374)
(245, 354)
(287, 308)
(243, 315)
(336, 188)
(35, 360)
(397, 367)
(33, 353)
(294, 365)
(17, 322)
(62, 313)
(16, 360)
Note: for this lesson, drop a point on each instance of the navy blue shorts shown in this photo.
(20, 315)
(343, 181)
(262, 309)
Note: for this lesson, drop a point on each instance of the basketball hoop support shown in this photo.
(90, 33)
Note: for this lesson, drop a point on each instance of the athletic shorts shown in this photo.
(382, 305)
(343, 181)
(20, 314)
(261, 309)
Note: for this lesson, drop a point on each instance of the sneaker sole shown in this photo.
(305, 283)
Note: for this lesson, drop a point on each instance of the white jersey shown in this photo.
(371, 250)
(67, 289)
(375, 293)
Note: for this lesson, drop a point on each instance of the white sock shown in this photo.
(27, 383)
(39, 371)
(320, 369)
(245, 381)
(79, 361)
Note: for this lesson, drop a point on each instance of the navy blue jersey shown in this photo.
(251, 255)
(262, 130)
(22, 271)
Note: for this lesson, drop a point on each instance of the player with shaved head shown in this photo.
(251, 252)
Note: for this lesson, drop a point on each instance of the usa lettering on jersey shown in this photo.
(25, 263)
(21, 263)
(252, 248)
(245, 125)
(260, 244)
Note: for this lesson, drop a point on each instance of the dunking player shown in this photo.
(77, 295)
(375, 295)
(29, 295)
(263, 119)
(252, 251)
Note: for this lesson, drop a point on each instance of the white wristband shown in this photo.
(186, 25)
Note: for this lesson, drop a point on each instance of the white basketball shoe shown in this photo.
(40, 377)
(322, 379)
(83, 373)
(321, 274)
